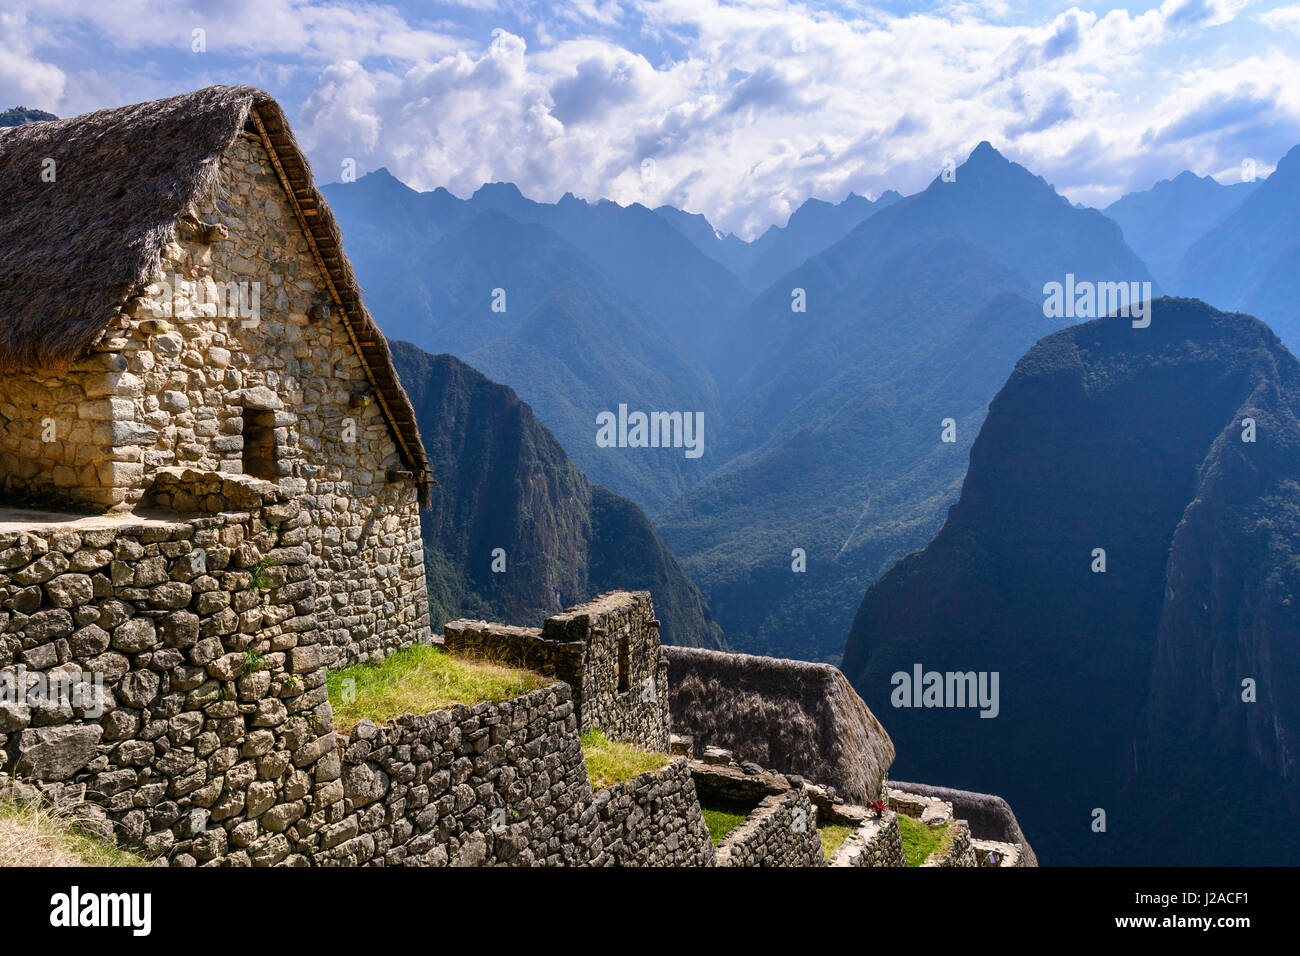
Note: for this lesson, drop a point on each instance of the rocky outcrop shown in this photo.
(1124, 556)
(791, 716)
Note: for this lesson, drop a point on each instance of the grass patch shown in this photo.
(419, 680)
(261, 580)
(919, 839)
(723, 816)
(40, 836)
(832, 836)
(610, 762)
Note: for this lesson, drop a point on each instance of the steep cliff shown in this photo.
(1120, 690)
(505, 483)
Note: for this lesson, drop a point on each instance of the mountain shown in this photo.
(656, 269)
(833, 416)
(567, 335)
(1250, 260)
(730, 250)
(1016, 217)
(1119, 690)
(18, 115)
(813, 227)
(1160, 223)
(505, 482)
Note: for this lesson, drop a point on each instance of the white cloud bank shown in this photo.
(743, 109)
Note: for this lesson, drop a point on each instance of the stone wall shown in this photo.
(55, 436)
(989, 816)
(173, 388)
(607, 650)
(781, 831)
(490, 784)
(624, 674)
(170, 673)
(504, 784)
(875, 842)
(516, 646)
(653, 820)
(956, 850)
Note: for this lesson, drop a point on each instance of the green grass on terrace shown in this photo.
(419, 680)
(919, 839)
(610, 762)
(832, 836)
(723, 816)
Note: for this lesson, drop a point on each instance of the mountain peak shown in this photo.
(498, 192)
(985, 161)
(1289, 164)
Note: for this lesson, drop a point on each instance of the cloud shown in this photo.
(598, 85)
(746, 107)
(1283, 19)
(1056, 109)
(1217, 113)
(26, 79)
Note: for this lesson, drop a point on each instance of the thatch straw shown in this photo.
(791, 716)
(74, 249)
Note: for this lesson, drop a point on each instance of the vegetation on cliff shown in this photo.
(18, 115)
(516, 531)
(1145, 688)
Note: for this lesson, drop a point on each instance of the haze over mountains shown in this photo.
(505, 483)
(833, 415)
(822, 426)
(1126, 682)
(569, 330)
(1250, 260)
(1162, 222)
(1159, 686)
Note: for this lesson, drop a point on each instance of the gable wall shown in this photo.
(170, 389)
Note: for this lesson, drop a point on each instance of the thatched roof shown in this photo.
(784, 715)
(74, 250)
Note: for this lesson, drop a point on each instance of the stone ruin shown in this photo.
(214, 478)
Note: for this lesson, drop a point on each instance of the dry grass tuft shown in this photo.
(41, 836)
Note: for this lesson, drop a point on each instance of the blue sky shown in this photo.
(738, 110)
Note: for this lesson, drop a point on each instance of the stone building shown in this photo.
(607, 650)
(176, 307)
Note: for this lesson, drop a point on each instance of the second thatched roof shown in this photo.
(791, 716)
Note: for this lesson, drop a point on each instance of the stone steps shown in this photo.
(997, 853)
